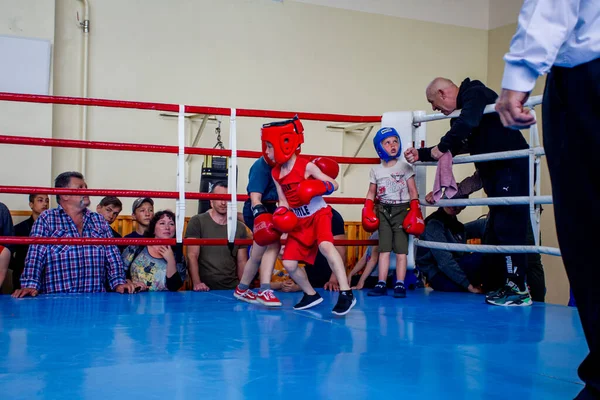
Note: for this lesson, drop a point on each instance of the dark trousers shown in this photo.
(536, 278)
(472, 266)
(571, 121)
(508, 225)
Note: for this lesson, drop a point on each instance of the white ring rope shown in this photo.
(533, 154)
(180, 203)
(486, 248)
(232, 206)
(534, 171)
(501, 155)
(488, 201)
(490, 108)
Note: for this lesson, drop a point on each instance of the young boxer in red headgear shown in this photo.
(302, 212)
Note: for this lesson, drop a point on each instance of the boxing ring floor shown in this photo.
(182, 345)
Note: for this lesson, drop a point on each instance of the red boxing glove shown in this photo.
(413, 223)
(284, 220)
(310, 188)
(370, 222)
(264, 230)
(327, 166)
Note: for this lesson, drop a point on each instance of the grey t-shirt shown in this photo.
(217, 264)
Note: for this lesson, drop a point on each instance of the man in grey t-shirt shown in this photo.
(215, 267)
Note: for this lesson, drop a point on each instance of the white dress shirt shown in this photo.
(564, 33)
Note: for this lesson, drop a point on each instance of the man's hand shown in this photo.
(429, 198)
(436, 153)
(412, 155)
(138, 286)
(201, 287)
(128, 287)
(510, 109)
(131, 287)
(473, 289)
(24, 293)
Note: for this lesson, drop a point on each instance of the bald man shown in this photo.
(477, 133)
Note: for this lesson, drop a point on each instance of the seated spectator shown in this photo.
(535, 277)
(6, 229)
(110, 207)
(142, 211)
(38, 204)
(215, 267)
(63, 268)
(368, 263)
(446, 270)
(157, 267)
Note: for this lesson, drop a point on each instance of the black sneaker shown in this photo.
(308, 301)
(399, 290)
(378, 290)
(346, 301)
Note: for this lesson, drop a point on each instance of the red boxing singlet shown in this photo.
(290, 182)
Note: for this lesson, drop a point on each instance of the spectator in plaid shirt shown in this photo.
(59, 268)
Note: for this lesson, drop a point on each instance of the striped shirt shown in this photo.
(71, 269)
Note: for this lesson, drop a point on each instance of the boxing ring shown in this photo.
(185, 344)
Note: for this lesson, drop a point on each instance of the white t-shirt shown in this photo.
(392, 187)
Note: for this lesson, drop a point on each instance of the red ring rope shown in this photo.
(150, 193)
(149, 242)
(154, 148)
(240, 112)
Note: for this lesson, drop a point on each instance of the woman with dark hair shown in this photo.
(158, 267)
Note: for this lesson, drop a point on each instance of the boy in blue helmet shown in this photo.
(392, 183)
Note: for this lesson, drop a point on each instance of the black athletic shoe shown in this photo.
(346, 301)
(308, 301)
(399, 290)
(378, 290)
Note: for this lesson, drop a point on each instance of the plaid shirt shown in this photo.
(67, 268)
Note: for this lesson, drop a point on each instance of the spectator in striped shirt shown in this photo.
(63, 268)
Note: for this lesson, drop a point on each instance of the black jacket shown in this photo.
(475, 133)
(441, 227)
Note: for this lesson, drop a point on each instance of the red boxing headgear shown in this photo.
(285, 137)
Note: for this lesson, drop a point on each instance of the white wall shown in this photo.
(467, 13)
(246, 54)
(503, 12)
(20, 165)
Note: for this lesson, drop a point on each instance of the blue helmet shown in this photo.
(382, 134)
